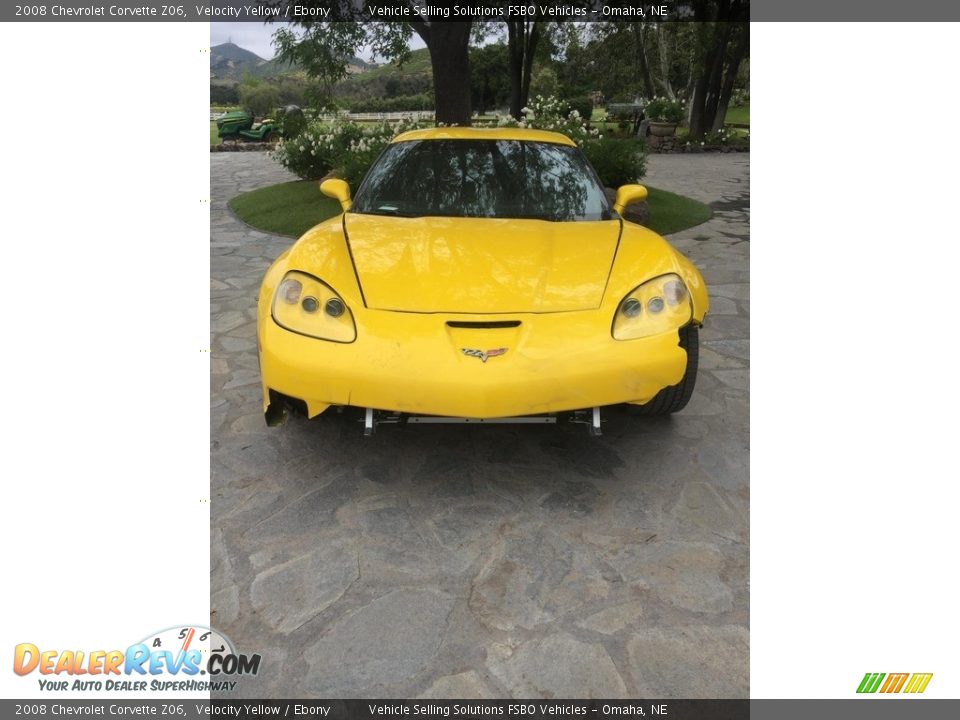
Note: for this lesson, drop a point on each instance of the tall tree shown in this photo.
(738, 52)
(449, 44)
(522, 39)
(723, 41)
(324, 47)
(489, 77)
(640, 33)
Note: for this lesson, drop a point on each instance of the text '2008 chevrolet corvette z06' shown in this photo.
(479, 275)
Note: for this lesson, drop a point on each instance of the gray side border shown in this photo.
(874, 707)
(853, 11)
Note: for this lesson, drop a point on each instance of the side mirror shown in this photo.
(627, 194)
(339, 190)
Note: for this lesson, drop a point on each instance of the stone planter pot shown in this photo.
(662, 129)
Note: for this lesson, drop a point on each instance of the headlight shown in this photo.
(305, 305)
(657, 306)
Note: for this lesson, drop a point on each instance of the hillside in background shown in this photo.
(367, 88)
(413, 78)
(229, 62)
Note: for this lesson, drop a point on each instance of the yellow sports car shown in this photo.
(479, 275)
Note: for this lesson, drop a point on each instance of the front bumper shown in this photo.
(414, 363)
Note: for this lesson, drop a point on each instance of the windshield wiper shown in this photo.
(391, 212)
(548, 218)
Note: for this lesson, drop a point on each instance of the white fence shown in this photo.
(389, 116)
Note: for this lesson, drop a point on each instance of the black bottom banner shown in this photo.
(196, 709)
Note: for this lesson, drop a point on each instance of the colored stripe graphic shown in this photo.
(894, 682)
(918, 683)
(870, 682)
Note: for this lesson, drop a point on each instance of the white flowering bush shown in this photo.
(315, 152)
(340, 146)
(617, 162)
(663, 109)
(362, 151)
(725, 136)
(550, 113)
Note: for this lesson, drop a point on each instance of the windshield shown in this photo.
(483, 178)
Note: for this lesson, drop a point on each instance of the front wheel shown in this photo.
(674, 398)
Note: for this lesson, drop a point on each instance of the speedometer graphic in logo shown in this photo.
(197, 647)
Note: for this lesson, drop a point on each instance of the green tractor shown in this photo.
(238, 125)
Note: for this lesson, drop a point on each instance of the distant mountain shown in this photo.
(356, 65)
(229, 61)
(231, 52)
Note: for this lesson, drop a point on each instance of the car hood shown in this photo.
(481, 265)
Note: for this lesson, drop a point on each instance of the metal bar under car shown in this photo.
(372, 418)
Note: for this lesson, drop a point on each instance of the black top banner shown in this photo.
(378, 10)
(481, 10)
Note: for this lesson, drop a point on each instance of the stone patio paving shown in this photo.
(494, 561)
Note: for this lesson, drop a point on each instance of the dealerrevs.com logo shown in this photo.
(182, 659)
(894, 682)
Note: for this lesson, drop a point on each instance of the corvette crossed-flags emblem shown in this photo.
(483, 355)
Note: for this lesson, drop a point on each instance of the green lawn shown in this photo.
(293, 208)
(670, 213)
(214, 138)
(739, 115)
(289, 208)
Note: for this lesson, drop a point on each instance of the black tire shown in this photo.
(674, 398)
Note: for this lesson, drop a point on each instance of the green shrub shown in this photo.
(260, 100)
(292, 122)
(617, 162)
(725, 137)
(224, 94)
(318, 149)
(583, 105)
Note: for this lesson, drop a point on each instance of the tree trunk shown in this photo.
(698, 101)
(713, 37)
(448, 43)
(640, 47)
(664, 52)
(730, 76)
(531, 38)
(712, 99)
(698, 123)
(523, 36)
(515, 52)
